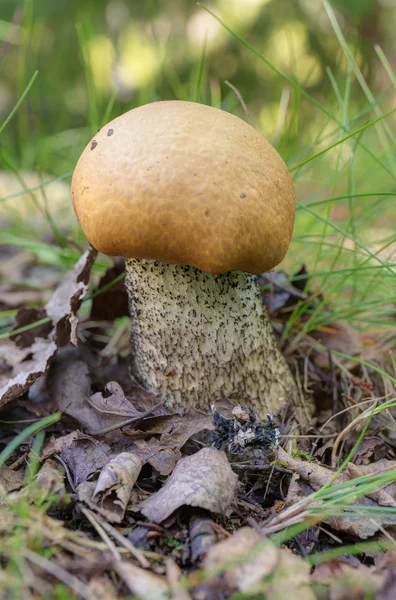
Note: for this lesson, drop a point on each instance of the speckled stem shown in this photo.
(198, 337)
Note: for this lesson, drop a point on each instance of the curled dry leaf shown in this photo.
(254, 558)
(113, 488)
(61, 309)
(204, 479)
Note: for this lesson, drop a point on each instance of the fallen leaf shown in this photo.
(44, 340)
(83, 455)
(142, 583)
(253, 559)
(115, 410)
(67, 298)
(204, 479)
(114, 486)
(174, 431)
(309, 477)
(27, 372)
(162, 458)
(249, 566)
(202, 536)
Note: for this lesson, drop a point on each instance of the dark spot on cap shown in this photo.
(110, 132)
(243, 195)
(94, 143)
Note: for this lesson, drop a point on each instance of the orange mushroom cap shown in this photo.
(184, 183)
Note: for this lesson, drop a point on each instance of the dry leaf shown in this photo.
(25, 374)
(44, 340)
(83, 455)
(113, 488)
(255, 559)
(113, 409)
(310, 477)
(174, 431)
(204, 479)
(142, 583)
(345, 581)
(67, 298)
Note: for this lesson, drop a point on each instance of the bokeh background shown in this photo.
(306, 73)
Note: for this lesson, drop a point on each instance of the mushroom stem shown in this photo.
(198, 337)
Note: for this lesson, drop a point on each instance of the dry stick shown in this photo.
(94, 522)
(123, 541)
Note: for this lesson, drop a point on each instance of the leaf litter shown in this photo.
(140, 500)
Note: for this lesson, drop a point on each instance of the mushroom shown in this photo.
(199, 203)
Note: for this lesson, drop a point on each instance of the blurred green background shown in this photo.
(142, 50)
(307, 73)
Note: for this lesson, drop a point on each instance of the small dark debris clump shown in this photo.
(110, 132)
(94, 143)
(243, 430)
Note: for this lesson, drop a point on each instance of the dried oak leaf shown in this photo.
(83, 455)
(204, 479)
(110, 494)
(61, 309)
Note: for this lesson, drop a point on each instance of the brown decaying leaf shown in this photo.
(67, 298)
(309, 477)
(62, 309)
(174, 431)
(83, 455)
(115, 409)
(113, 489)
(26, 373)
(204, 479)
(254, 558)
